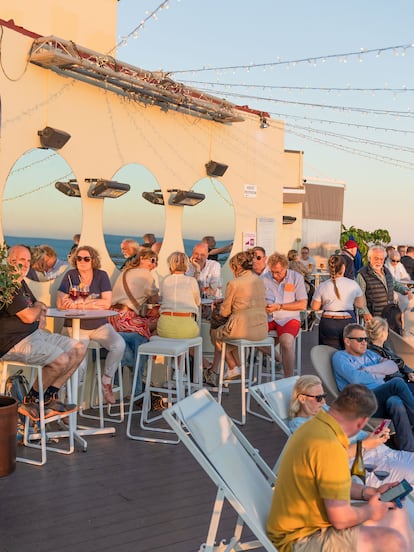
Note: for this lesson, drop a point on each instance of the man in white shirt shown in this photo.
(306, 259)
(285, 297)
(206, 271)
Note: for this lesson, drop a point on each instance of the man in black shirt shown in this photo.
(23, 339)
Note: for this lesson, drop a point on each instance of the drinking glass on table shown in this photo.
(84, 293)
(382, 471)
(74, 293)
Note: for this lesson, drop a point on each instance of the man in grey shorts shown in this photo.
(23, 339)
(312, 508)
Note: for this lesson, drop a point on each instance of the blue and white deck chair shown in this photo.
(242, 477)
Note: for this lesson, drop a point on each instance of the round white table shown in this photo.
(76, 315)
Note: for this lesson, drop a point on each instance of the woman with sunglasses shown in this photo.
(400, 274)
(337, 297)
(308, 397)
(86, 275)
(135, 289)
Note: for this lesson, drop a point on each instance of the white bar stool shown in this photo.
(298, 351)
(176, 353)
(197, 344)
(42, 434)
(244, 347)
(96, 390)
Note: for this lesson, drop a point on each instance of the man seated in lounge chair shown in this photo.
(311, 507)
(394, 397)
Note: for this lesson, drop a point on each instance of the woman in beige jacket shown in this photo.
(244, 305)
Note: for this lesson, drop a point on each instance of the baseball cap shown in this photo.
(350, 244)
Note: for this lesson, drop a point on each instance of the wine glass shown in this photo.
(370, 467)
(381, 474)
(74, 293)
(84, 293)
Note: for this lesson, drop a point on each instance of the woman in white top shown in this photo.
(337, 297)
(180, 301)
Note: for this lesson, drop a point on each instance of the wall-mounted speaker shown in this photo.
(216, 169)
(53, 138)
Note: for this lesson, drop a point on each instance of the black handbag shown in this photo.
(217, 319)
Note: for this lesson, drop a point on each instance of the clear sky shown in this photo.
(364, 136)
(351, 114)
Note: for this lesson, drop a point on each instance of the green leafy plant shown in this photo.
(365, 239)
(9, 283)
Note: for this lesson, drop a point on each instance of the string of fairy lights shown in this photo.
(324, 137)
(149, 15)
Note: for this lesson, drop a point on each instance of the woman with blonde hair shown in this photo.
(377, 331)
(244, 307)
(180, 300)
(337, 297)
(308, 398)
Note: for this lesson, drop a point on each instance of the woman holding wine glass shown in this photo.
(308, 397)
(96, 290)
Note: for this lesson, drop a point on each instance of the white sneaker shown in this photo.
(234, 373)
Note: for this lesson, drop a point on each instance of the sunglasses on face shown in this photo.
(395, 262)
(318, 398)
(86, 259)
(359, 339)
(258, 258)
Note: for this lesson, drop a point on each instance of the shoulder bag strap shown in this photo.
(128, 291)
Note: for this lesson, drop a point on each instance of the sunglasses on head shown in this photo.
(318, 398)
(359, 339)
(86, 259)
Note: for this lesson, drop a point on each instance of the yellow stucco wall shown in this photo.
(108, 131)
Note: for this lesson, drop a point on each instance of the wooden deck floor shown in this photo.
(122, 495)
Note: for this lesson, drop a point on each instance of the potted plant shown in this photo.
(9, 283)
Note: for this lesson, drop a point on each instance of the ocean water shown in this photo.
(113, 242)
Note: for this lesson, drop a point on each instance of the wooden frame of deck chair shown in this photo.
(242, 477)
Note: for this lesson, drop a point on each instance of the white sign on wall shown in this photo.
(249, 240)
(250, 190)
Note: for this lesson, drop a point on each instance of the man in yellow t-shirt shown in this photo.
(311, 509)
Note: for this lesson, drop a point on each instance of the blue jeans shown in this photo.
(133, 340)
(395, 401)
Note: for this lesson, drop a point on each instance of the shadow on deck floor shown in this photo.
(123, 495)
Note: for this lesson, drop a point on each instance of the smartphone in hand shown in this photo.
(385, 423)
(395, 494)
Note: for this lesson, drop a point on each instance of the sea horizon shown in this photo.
(62, 246)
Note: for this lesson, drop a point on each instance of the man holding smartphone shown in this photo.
(312, 510)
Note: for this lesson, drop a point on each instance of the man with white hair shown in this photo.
(23, 339)
(206, 271)
(377, 284)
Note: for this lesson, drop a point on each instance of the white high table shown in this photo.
(76, 316)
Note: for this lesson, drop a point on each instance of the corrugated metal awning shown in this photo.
(294, 195)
